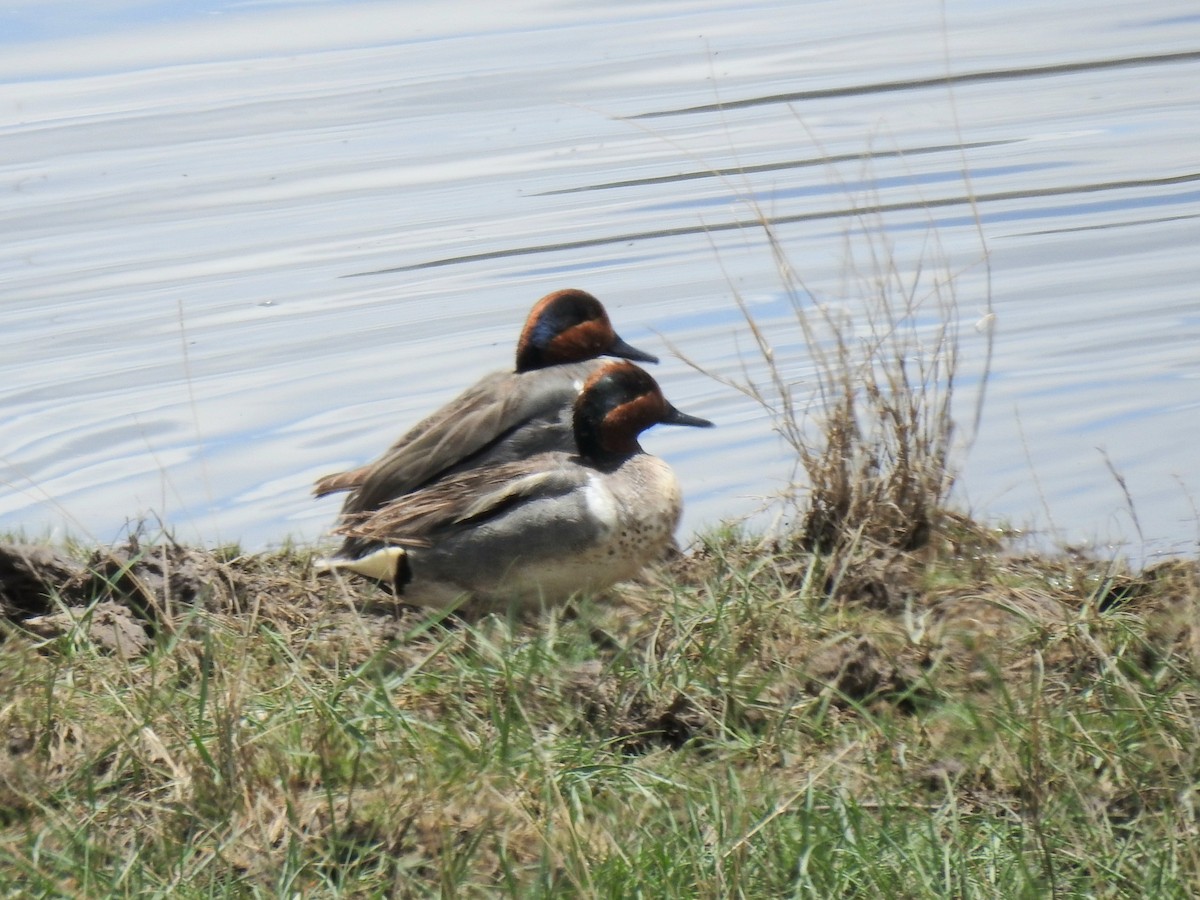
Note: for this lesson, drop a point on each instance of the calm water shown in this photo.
(246, 244)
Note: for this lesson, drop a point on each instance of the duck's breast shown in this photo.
(649, 503)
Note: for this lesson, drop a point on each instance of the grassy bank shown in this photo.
(887, 700)
(961, 720)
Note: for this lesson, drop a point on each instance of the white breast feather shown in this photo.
(602, 506)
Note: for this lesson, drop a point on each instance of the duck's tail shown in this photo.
(341, 481)
(387, 564)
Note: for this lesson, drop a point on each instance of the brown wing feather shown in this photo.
(400, 463)
(442, 446)
(469, 427)
(462, 500)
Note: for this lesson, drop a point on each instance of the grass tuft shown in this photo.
(872, 430)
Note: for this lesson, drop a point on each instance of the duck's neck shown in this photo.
(601, 449)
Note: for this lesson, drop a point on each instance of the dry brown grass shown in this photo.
(872, 429)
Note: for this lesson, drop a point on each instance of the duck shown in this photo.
(503, 417)
(534, 532)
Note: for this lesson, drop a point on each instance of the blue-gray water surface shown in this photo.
(247, 244)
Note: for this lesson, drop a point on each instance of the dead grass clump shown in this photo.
(875, 441)
(860, 670)
(124, 599)
(158, 583)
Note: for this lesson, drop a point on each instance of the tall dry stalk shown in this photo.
(874, 435)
